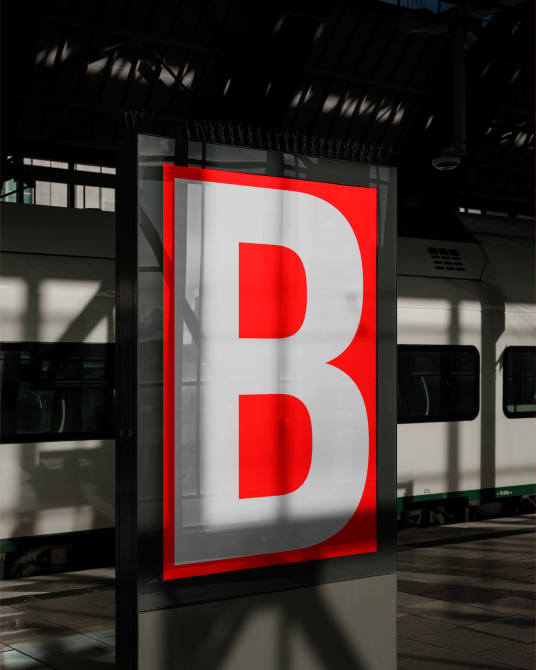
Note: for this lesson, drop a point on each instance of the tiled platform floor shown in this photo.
(466, 602)
(466, 596)
(63, 621)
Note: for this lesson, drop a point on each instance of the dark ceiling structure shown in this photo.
(74, 72)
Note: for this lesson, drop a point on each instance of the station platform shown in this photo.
(64, 621)
(466, 596)
(466, 602)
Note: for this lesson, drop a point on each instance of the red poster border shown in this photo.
(359, 206)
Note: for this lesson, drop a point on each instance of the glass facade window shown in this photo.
(59, 165)
(7, 189)
(519, 393)
(94, 197)
(12, 185)
(94, 168)
(438, 383)
(57, 392)
(56, 194)
(51, 194)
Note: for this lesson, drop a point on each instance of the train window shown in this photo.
(438, 383)
(519, 393)
(56, 392)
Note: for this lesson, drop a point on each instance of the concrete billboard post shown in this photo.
(256, 436)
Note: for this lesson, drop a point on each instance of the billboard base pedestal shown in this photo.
(348, 625)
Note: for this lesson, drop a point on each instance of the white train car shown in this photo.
(57, 297)
(466, 394)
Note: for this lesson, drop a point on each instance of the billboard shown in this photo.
(256, 392)
(270, 375)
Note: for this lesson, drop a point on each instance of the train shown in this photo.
(466, 389)
(466, 394)
(57, 333)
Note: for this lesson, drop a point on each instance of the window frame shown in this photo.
(69, 351)
(507, 351)
(443, 348)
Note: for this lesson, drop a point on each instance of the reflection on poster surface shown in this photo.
(269, 371)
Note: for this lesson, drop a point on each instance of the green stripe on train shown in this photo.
(474, 494)
(107, 535)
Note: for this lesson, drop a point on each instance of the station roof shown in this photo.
(74, 71)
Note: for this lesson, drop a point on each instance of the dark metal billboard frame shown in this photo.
(130, 598)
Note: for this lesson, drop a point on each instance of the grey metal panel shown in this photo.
(347, 625)
(62, 231)
(126, 380)
(385, 181)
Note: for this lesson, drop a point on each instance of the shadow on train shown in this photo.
(76, 484)
(58, 498)
(486, 329)
(73, 488)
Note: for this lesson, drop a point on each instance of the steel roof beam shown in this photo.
(137, 38)
(511, 109)
(95, 107)
(484, 98)
(84, 60)
(92, 146)
(513, 150)
(365, 81)
(54, 139)
(215, 23)
(527, 127)
(486, 195)
(504, 168)
(178, 79)
(424, 21)
(480, 185)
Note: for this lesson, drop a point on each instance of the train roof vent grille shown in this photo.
(446, 260)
